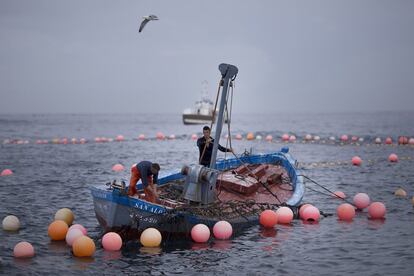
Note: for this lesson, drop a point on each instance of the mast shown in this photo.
(228, 72)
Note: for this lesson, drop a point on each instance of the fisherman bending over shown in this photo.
(148, 173)
(205, 146)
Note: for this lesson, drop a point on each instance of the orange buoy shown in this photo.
(57, 230)
(250, 136)
(268, 218)
(83, 247)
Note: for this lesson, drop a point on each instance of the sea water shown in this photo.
(50, 176)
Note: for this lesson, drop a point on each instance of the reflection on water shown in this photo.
(150, 250)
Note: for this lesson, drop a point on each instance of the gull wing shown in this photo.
(143, 23)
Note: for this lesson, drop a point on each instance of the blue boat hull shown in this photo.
(116, 211)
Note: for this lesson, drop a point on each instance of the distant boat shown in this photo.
(202, 111)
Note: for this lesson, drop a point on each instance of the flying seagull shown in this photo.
(146, 20)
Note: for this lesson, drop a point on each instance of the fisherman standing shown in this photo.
(148, 173)
(205, 146)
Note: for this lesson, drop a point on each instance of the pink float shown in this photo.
(311, 213)
(72, 235)
(354, 138)
(377, 140)
(356, 161)
(120, 138)
(141, 137)
(376, 210)
(345, 211)
(393, 158)
(361, 200)
(292, 138)
(402, 140)
(6, 172)
(269, 138)
(344, 138)
(340, 194)
(268, 218)
(284, 215)
(80, 227)
(222, 230)
(200, 233)
(302, 208)
(285, 137)
(194, 137)
(388, 140)
(118, 168)
(111, 241)
(23, 250)
(160, 136)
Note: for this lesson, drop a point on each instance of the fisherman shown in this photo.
(148, 173)
(205, 146)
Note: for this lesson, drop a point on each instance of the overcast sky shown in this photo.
(312, 56)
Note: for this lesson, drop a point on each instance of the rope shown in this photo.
(326, 189)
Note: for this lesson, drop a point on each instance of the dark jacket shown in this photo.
(205, 161)
(144, 168)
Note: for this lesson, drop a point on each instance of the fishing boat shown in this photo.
(201, 113)
(236, 190)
